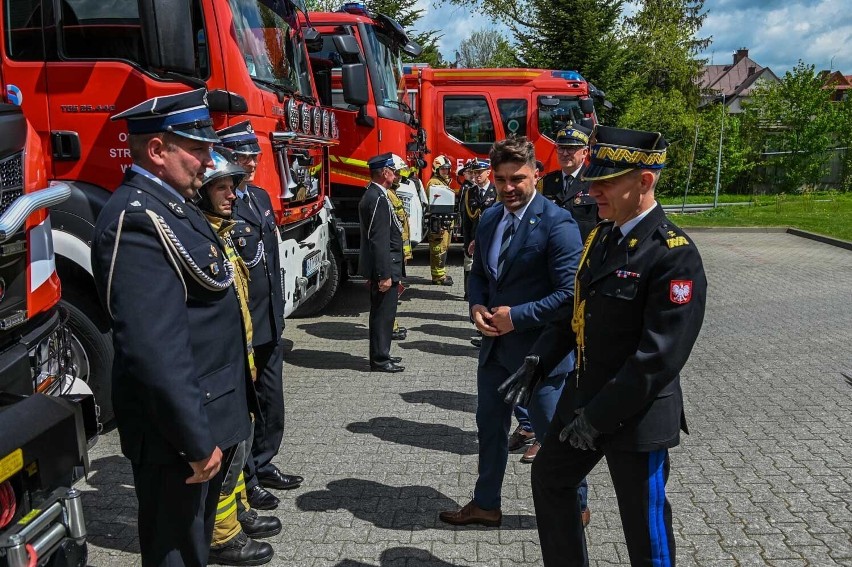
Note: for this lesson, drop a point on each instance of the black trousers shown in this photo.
(382, 314)
(175, 519)
(269, 425)
(639, 479)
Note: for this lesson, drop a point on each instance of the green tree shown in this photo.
(843, 138)
(557, 34)
(485, 49)
(657, 51)
(796, 125)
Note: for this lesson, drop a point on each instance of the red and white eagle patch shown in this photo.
(680, 291)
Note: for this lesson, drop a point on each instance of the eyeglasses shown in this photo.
(568, 149)
(243, 159)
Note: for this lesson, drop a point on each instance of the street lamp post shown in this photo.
(719, 160)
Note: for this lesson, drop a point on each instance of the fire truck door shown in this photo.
(97, 74)
(468, 126)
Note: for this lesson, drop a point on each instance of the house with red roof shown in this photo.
(838, 82)
(733, 83)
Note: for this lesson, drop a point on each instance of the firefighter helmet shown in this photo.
(440, 162)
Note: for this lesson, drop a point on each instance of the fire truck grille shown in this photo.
(11, 180)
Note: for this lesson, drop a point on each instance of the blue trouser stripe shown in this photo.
(657, 508)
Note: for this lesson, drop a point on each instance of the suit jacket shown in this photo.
(472, 206)
(537, 281)
(381, 238)
(256, 224)
(644, 306)
(180, 377)
(576, 200)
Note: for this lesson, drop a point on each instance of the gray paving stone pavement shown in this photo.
(765, 478)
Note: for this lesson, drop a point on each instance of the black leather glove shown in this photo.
(580, 433)
(517, 389)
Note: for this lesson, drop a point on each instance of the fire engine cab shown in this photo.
(357, 65)
(464, 111)
(72, 64)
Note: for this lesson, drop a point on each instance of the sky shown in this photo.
(777, 33)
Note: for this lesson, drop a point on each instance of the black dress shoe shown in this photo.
(279, 481)
(477, 342)
(262, 499)
(399, 335)
(396, 359)
(256, 526)
(386, 367)
(242, 550)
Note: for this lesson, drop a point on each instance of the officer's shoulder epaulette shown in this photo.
(136, 201)
(672, 235)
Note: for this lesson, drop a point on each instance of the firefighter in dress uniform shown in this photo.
(256, 237)
(380, 260)
(566, 186)
(439, 241)
(475, 197)
(181, 384)
(399, 333)
(639, 299)
(237, 525)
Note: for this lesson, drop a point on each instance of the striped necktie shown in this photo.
(508, 233)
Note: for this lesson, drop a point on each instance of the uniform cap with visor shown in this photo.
(183, 114)
(573, 135)
(616, 151)
(479, 164)
(240, 139)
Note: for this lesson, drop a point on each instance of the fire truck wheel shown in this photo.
(319, 300)
(91, 350)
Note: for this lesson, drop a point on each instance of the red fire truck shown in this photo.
(47, 416)
(72, 64)
(357, 65)
(464, 111)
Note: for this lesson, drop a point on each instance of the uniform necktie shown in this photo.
(508, 233)
(611, 242)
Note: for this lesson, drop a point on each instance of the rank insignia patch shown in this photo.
(214, 252)
(135, 204)
(631, 244)
(677, 241)
(680, 291)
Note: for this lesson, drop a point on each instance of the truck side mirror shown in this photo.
(587, 105)
(412, 48)
(220, 100)
(355, 84)
(166, 36)
(347, 45)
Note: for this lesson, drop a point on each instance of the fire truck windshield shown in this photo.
(271, 46)
(555, 112)
(386, 68)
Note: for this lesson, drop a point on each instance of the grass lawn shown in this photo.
(823, 213)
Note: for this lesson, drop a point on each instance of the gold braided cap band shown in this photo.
(618, 156)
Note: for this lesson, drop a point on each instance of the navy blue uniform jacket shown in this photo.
(179, 379)
(643, 310)
(537, 280)
(256, 225)
(381, 240)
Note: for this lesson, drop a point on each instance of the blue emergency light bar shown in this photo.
(567, 75)
(357, 8)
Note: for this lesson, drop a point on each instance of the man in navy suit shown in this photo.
(524, 260)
